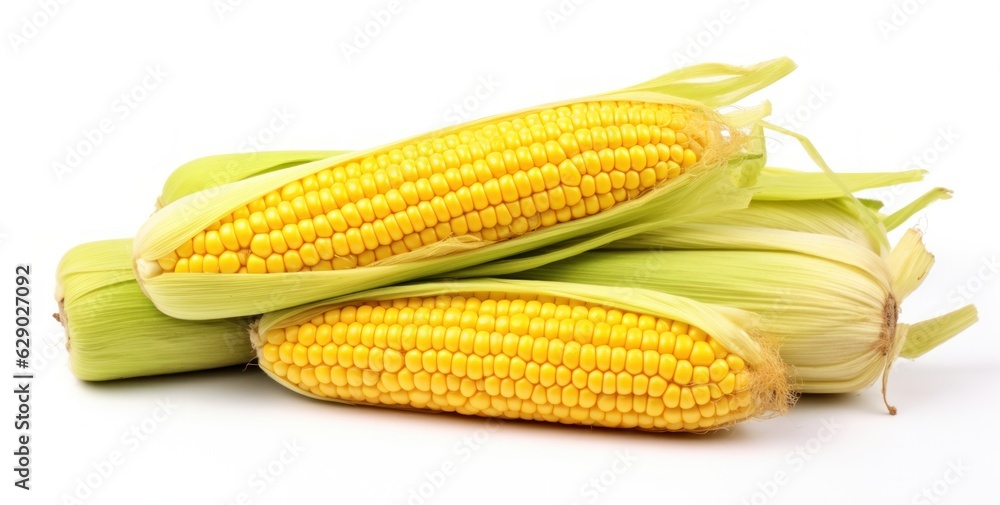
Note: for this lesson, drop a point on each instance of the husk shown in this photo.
(924, 336)
(196, 296)
(786, 184)
(897, 218)
(113, 331)
(735, 329)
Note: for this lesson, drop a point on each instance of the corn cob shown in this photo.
(499, 349)
(475, 190)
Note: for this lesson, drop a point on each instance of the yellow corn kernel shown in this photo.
(545, 166)
(476, 353)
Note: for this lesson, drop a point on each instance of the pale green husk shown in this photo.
(926, 335)
(683, 199)
(113, 331)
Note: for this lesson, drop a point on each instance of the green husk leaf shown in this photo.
(872, 204)
(926, 335)
(909, 263)
(894, 220)
(835, 217)
(786, 184)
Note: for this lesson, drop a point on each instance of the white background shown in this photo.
(883, 88)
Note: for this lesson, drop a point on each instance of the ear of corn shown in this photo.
(113, 331)
(501, 349)
(310, 251)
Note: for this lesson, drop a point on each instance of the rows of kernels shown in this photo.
(493, 182)
(496, 354)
